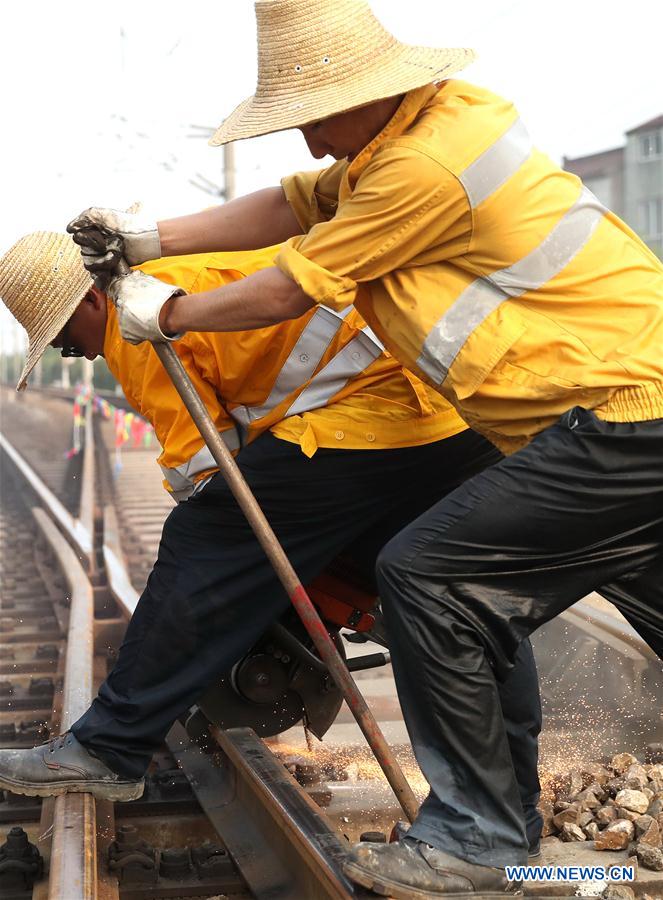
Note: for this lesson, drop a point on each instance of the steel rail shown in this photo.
(73, 528)
(88, 485)
(283, 844)
(73, 870)
(119, 583)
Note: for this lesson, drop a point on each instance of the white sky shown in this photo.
(98, 98)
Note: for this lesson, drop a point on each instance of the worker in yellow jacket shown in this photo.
(503, 283)
(341, 445)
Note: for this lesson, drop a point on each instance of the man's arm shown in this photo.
(258, 220)
(262, 299)
(246, 223)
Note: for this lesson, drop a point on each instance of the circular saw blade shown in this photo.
(269, 692)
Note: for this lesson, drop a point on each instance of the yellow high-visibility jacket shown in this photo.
(323, 380)
(484, 267)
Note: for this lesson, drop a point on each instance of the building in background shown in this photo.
(629, 180)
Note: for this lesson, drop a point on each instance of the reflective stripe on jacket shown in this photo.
(303, 360)
(277, 378)
(484, 267)
(315, 339)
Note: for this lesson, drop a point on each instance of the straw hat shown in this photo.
(42, 281)
(318, 58)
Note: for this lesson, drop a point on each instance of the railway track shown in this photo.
(234, 823)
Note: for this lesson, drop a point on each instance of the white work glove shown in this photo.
(140, 237)
(139, 299)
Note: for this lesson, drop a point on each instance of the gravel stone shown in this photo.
(622, 826)
(652, 835)
(611, 840)
(595, 772)
(632, 800)
(622, 761)
(605, 815)
(571, 832)
(650, 857)
(618, 892)
(569, 815)
(643, 823)
(623, 813)
(615, 785)
(569, 785)
(588, 799)
(636, 771)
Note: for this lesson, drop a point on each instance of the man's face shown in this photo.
(86, 329)
(345, 135)
(337, 137)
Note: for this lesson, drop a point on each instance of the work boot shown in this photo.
(413, 870)
(61, 765)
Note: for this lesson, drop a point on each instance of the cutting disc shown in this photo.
(271, 690)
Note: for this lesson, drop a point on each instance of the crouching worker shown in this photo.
(341, 447)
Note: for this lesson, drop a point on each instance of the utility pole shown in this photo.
(228, 171)
(88, 373)
(228, 190)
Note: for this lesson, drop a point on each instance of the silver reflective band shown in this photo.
(483, 296)
(297, 370)
(181, 478)
(496, 164)
(301, 363)
(357, 355)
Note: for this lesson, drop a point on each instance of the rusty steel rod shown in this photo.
(285, 573)
(289, 579)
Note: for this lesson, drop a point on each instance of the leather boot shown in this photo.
(413, 870)
(61, 765)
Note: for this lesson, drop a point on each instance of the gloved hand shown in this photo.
(139, 299)
(139, 236)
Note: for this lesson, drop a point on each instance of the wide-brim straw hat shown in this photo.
(42, 281)
(318, 58)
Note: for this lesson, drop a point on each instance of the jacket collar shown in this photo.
(412, 104)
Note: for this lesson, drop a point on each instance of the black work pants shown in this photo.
(212, 592)
(579, 509)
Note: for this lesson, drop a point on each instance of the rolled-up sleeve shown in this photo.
(313, 196)
(406, 208)
(299, 190)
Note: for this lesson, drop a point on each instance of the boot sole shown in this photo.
(403, 892)
(102, 790)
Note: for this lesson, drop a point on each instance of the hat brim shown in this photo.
(406, 68)
(37, 347)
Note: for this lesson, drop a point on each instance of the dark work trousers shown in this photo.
(212, 592)
(579, 509)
